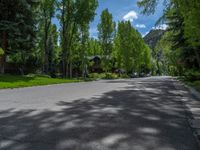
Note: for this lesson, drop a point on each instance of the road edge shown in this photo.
(196, 95)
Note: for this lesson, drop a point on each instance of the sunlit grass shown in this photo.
(14, 81)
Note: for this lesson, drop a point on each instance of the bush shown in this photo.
(95, 75)
(196, 85)
(38, 75)
(103, 76)
(1, 51)
(107, 76)
(124, 76)
(192, 75)
(110, 76)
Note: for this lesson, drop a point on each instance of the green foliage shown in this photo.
(124, 76)
(95, 75)
(182, 17)
(110, 76)
(130, 51)
(17, 25)
(1, 51)
(192, 75)
(42, 52)
(106, 30)
(148, 5)
(190, 12)
(104, 76)
(127, 46)
(46, 10)
(75, 17)
(180, 48)
(195, 84)
(94, 47)
(122, 48)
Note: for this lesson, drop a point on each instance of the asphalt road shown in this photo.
(137, 114)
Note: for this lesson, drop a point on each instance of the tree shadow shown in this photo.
(132, 119)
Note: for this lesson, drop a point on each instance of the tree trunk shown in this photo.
(2, 64)
(70, 70)
(63, 67)
(67, 70)
(3, 57)
(197, 57)
(158, 70)
(46, 61)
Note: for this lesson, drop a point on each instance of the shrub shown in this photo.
(107, 76)
(95, 75)
(124, 76)
(38, 75)
(192, 75)
(1, 51)
(110, 76)
(197, 85)
(103, 76)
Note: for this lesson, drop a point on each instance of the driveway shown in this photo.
(136, 114)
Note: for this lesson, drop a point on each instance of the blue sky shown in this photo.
(125, 10)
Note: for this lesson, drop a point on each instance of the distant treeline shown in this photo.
(31, 42)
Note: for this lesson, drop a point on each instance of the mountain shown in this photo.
(153, 37)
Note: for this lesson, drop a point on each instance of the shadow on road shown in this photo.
(146, 116)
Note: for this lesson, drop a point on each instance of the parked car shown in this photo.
(148, 75)
(134, 75)
(142, 74)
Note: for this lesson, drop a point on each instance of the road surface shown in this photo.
(132, 114)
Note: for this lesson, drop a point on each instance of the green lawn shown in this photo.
(13, 81)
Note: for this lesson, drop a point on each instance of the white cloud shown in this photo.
(130, 16)
(161, 27)
(140, 26)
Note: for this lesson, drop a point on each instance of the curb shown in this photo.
(195, 129)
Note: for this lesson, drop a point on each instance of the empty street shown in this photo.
(129, 114)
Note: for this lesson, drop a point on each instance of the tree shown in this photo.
(190, 12)
(17, 27)
(131, 53)
(66, 8)
(85, 14)
(94, 48)
(183, 20)
(106, 30)
(172, 62)
(47, 12)
(53, 50)
(126, 46)
(74, 15)
(84, 32)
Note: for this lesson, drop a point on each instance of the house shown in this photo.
(95, 64)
